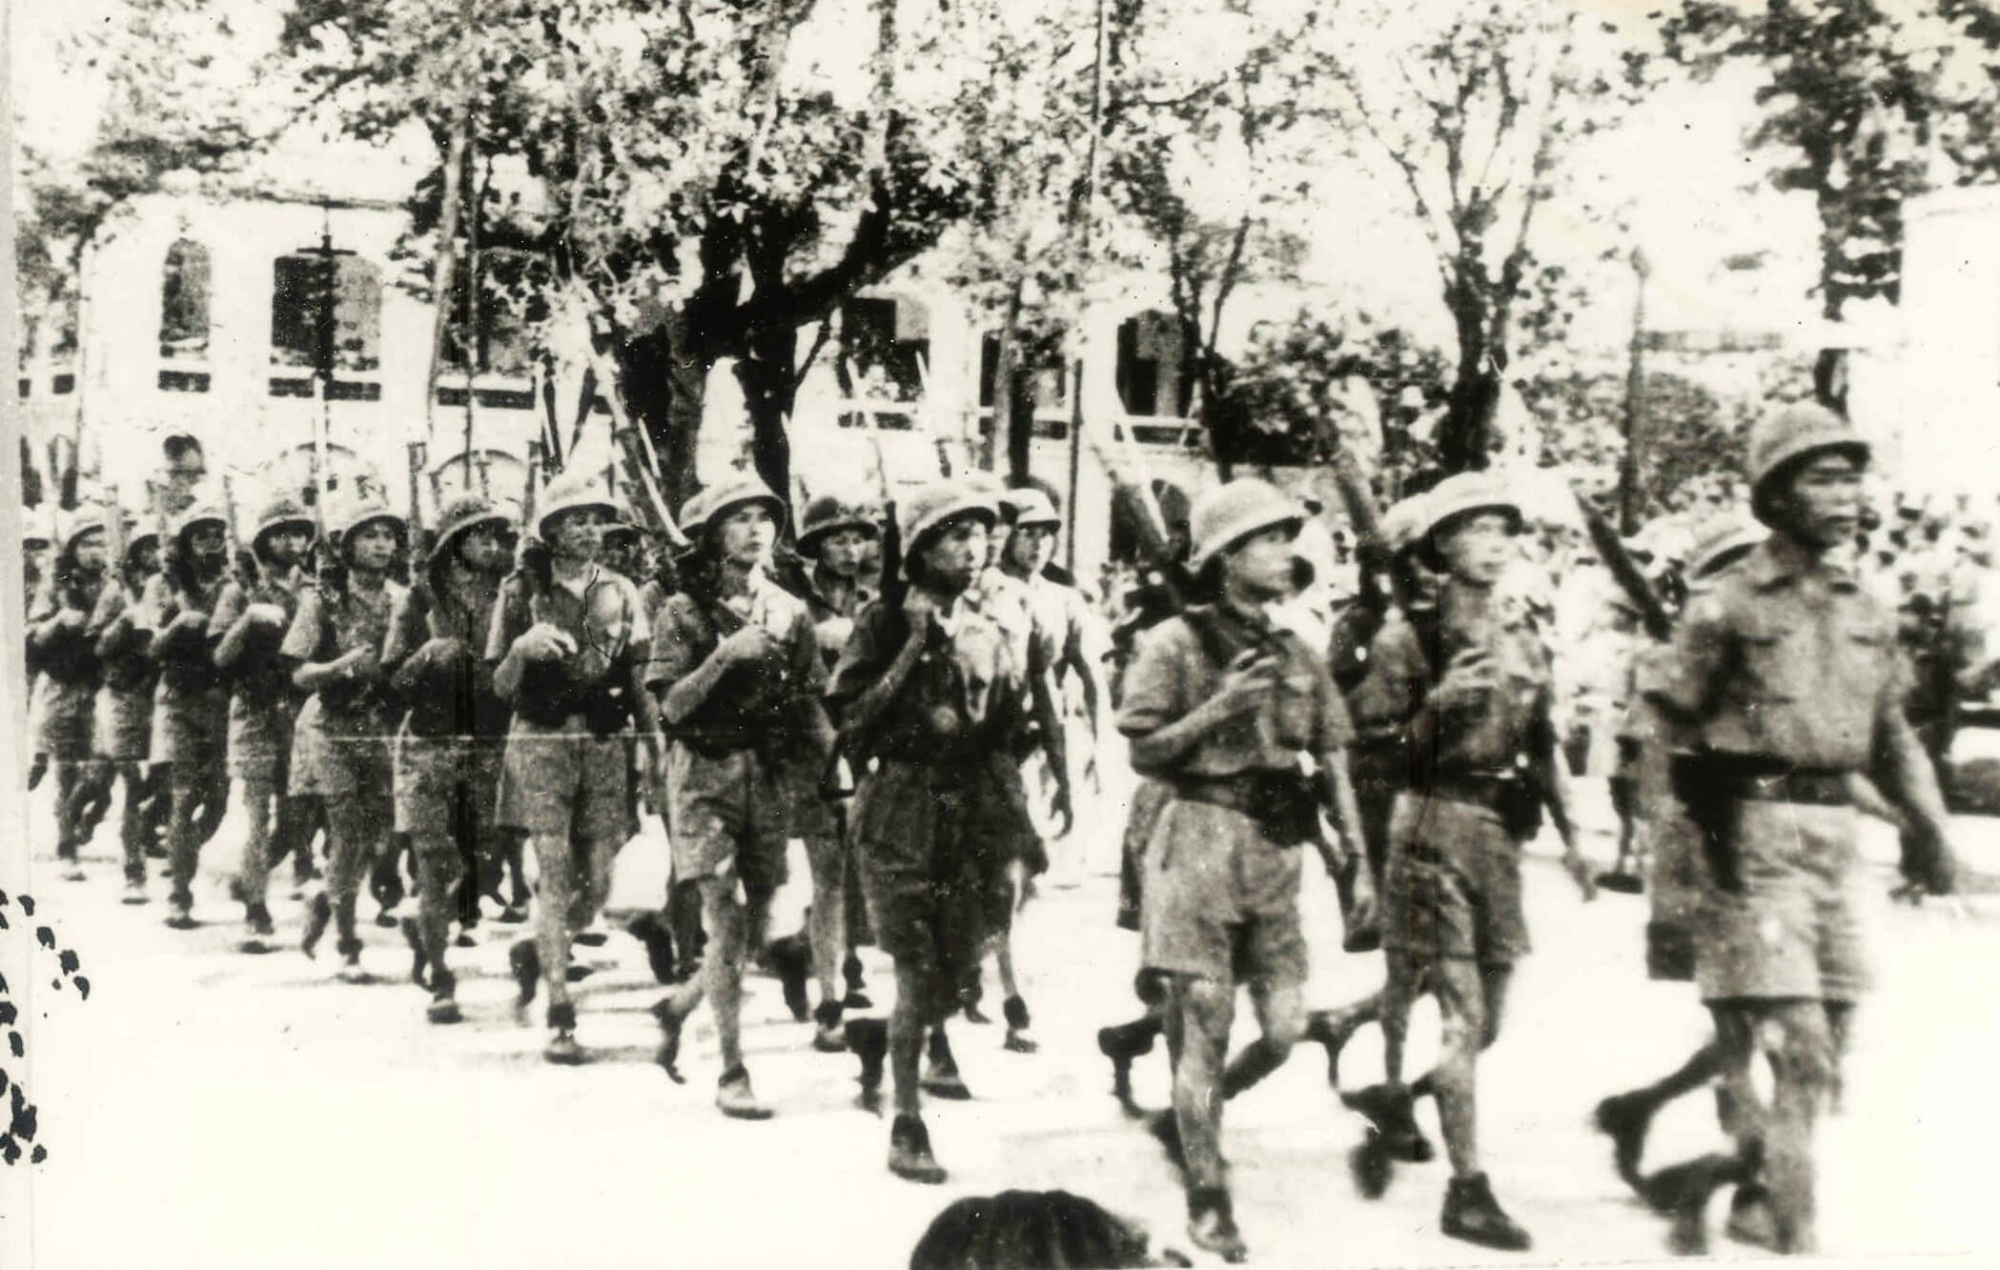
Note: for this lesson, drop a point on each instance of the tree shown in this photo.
(1848, 101)
(706, 189)
(1472, 106)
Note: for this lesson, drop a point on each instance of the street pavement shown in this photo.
(204, 1108)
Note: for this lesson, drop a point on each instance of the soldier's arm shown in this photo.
(809, 670)
(52, 621)
(1686, 686)
(688, 685)
(111, 624)
(402, 647)
(858, 693)
(232, 619)
(1156, 719)
(1901, 769)
(1077, 656)
(302, 644)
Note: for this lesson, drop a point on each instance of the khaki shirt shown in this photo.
(1175, 672)
(330, 624)
(1513, 721)
(966, 694)
(1786, 658)
(750, 700)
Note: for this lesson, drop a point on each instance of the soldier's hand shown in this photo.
(545, 642)
(751, 643)
(1366, 911)
(1579, 872)
(71, 619)
(265, 615)
(189, 620)
(441, 650)
(1247, 684)
(1466, 681)
(920, 610)
(365, 662)
(1062, 807)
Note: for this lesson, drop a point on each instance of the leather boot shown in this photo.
(319, 914)
(524, 962)
(1681, 1192)
(869, 1040)
(1627, 1118)
(735, 1099)
(1124, 1042)
(857, 987)
(1212, 1225)
(652, 932)
(793, 965)
(444, 998)
(562, 1048)
(413, 935)
(941, 1078)
(670, 1019)
(910, 1152)
(1391, 1112)
(1016, 1012)
(828, 1038)
(1751, 1218)
(1331, 1030)
(1472, 1214)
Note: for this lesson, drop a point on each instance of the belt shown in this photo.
(1471, 787)
(1238, 793)
(1819, 787)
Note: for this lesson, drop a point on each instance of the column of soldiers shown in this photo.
(905, 723)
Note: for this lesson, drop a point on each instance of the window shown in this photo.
(512, 285)
(885, 348)
(184, 302)
(1155, 365)
(351, 314)
(1048, 382)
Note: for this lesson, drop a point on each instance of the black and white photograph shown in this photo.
(999, 634)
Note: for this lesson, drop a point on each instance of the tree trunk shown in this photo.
(1020, 423)
(1004, 357)
(768, 372)
(1462, 436)
(665, 400)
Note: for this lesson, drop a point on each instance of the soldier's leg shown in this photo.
(186, 785)
(214, 799)
(355, 826)
(555, 900)
(1199, 1013)
(1462, 1014)
(263, 805)
(1281, 1018)
(439, 871)
(826, 924)
(1800, 1049)
(134, 828)
(69, 775)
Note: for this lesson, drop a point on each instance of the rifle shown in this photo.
(418, 537)
(1652, 614)
(239, 559)
(117, 542)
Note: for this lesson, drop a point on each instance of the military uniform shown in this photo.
(190, 704)
(340, 743)
(123, 722)
(1220, 884)
(1787, 680)
(450, 742)
(65, 693)
(262, 707)
(564, 778)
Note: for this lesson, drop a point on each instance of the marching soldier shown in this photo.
(835, 537)
(451, 741)
(190, 706)
(67, 658)
(1222, 705)
(930, 690)
(739, 674)
(249, 624)
(340, 750)
(1472, 678)
(124, 715)
(569, 643)
(1786, 681)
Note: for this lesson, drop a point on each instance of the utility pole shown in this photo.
(1083, 273)
(1635, 403)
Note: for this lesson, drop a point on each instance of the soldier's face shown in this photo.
(1822, 504)
(1478, 547)
(89, 551)
(577, 534)
(843, 552)
(621, 553)
(286, 546)
(372, 546)
(206, 542)
(482, 550)
(146, 557)
(746, 534)
(1262, 563)
(956, 553)
(1030, 547)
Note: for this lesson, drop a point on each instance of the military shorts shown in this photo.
(1453, 883)
(64, 715)
(1790, 930)
(808, 814)
(192, 728)
(260, 738)
(725, 814)
(124, 725)
(1219, 899)
(934, 847)
(340, 768)
(442, 782)
(555, 781)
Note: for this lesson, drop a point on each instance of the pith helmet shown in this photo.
(929, 508)
(460, 516)
(366, 512)
(197, 515)
(85, 521)
(706, 507)
(569, 496)
(1795, 433)
(1722, 541)
(1030, 506)
(282, 512)
(1403, 524)
(1457, 497)
(1225, 516)
(827, 515)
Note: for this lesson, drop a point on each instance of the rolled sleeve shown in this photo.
(677, 636)
(1685, 682)
(1155, 684)
(307, 633)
